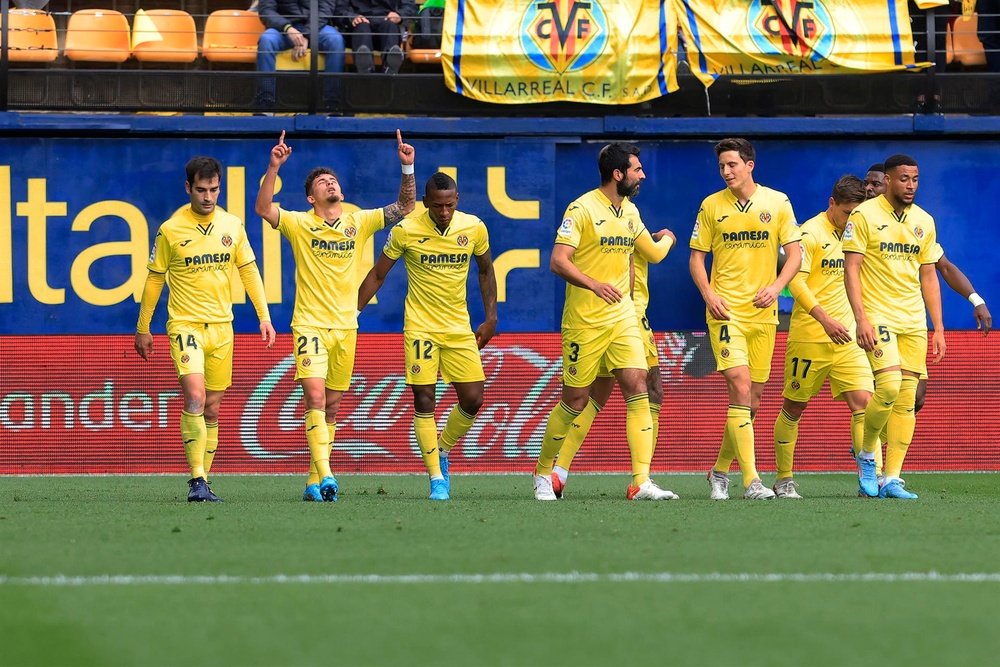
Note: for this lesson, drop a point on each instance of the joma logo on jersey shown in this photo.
(800, 28)
(563, 35)
(745, 236)
(445, 258)
(832, 264)
(905, 248)
(622, 241)
(339, 246)
(207, 258)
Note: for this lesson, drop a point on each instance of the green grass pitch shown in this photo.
(122, 571)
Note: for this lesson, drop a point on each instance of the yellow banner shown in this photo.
(774, 37)
(598, 51)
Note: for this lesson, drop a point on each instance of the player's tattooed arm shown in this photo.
(405, 203)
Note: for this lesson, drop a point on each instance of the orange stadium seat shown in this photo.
(32, 36)
(164, 36)
(231, 36)
(98, 35)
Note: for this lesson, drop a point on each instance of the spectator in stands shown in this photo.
(287, 23)
(381, 20)
(989, 31)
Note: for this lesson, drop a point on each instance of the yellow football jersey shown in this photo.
(894, 248)
(437, 267)
(823, 262)
(326, 275)
(604, 238)
(198, 253)
(744, 240)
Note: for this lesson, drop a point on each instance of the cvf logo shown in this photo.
(563, 35)
(800, 28)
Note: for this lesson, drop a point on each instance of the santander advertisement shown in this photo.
(88, 404)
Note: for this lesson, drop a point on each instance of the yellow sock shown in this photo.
(458, 424)
(740, 429)
(558, 425)
(654, 414)
(577, 434)
(727, 452)
(887, 386)
(426, 431)
(639, 430)
(211, 445)
(858, 436)
(786, 434)
(902, 423)
(318, 438)
(194, 434)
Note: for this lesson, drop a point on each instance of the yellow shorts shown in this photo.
(456, 355)
(586, 351)
(648, 343)
(204, 349)
(807, 365)
(743, 344)
(906, 349)
(325, 353)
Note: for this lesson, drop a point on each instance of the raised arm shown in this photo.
(717, 306)
(265, 207)
(488, 290)
(654, 247)
(373, 281)
(865, 334)
(931, 290)
(562, 265)
(407, 199)
(958, 282)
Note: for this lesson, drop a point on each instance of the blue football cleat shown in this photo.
(867, 479)
(312, 494)
(212, 498)
(894, 489)
(439, 490)
(444, 471)
(328, 489)
(198, 491)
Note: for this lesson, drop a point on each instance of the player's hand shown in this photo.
(664, 232)
(267, 334)
(865, 335)
(717, 306)
(144, 345)
(766, 296)
(938, 346)
(984, 320)
(485, 332)
(837, 332)
(405, 151)
(280, 153)
(609, 293)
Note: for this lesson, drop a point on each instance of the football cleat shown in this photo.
(543, 488)
(649, 490)
(894, 488)
(757, 491)
(312, 494)
(718, 485)
(786, 488)
(557, 485)
(198, 491)
(444, 470)
(328, 489)
(212, 498)
(439, 490)
(867, 479)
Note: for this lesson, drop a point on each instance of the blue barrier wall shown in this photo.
(77, 215)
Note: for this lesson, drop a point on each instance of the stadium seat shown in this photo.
(231, 36)
(422, 56)
(963, 43)
(164, 36)
(98, 35)
(32, 36)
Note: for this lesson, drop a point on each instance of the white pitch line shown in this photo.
(503, 578)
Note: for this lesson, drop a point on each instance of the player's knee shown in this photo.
(887, 387)
(423, 401)
(471, 404)
(921, 396)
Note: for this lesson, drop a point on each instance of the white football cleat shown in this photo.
(757, 491)
(649, 490)
(786, 488)
(718, 485)
(543, 488)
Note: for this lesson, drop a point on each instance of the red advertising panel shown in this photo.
(88, 404)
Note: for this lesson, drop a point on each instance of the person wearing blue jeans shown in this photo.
(287, 27)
